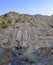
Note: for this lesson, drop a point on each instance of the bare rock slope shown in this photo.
(27, 31)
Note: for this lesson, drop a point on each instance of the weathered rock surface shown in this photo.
(27, 33)
(44, 56)
(7, 57)
(31, 31)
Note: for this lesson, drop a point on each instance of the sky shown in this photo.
(31, 7)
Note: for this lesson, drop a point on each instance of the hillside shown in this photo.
(26, 32)
(31, 31)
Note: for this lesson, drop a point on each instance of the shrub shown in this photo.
(9, 21)
(51, 26)
(24, 56)
(3, 25)
(28, 57)
(5, 15)
(19, 50)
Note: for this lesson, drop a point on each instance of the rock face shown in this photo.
(44, 56)
(26, 34)
(7, 57)
(30, 31)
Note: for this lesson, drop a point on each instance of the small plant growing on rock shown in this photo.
(3, 25)
(24, 56)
